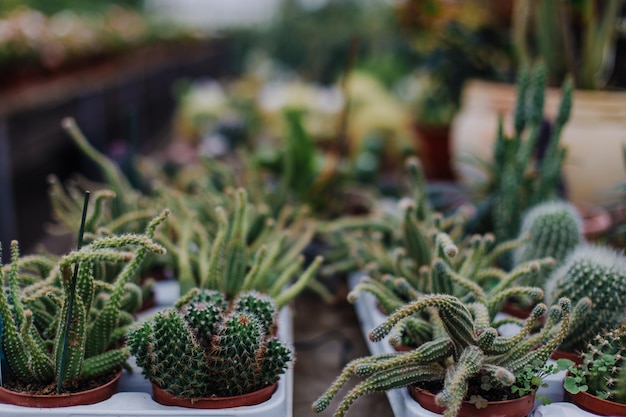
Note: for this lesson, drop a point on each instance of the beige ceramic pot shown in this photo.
(594, 135)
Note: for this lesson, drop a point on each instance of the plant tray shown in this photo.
(134, 396)
(401, 402)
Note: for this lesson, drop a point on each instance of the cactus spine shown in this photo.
(208, 347)
(596, 274)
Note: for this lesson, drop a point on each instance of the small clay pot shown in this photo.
(519, 407)
(91, 396)
(253, 398)
(596, 405)
(563, 354)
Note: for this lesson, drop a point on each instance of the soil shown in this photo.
(494, 394)
(12, 384)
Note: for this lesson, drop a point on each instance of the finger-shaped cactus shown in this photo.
(207, 347)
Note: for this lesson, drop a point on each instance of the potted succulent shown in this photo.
(209, 352)
(465, 352)
(63, 332)
(597, 384)
(594, 278)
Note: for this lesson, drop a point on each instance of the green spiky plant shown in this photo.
(594, 276)
(602, 372)
(518, 180)
(228, 262)
(465, 350)
(41, 344)
(207, 346)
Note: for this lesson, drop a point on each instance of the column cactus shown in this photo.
(34, 352)
(208, 347)
(466, 351)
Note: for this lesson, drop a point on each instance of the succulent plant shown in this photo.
(465, 350)
(206, 346)
(518, 178)
(594, 276)
(602, 372)
(41, 342)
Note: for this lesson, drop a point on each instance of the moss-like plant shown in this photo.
(206, 346)
(41, 344)
(465, 350)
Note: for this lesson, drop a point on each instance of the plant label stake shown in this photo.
(68, 318)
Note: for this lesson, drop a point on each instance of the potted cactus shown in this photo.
(464, 365)
(51, 356)
(598, 384)
(208, 352)
(594, 278)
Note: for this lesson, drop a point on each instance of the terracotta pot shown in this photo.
(511, 308)
(597, 220)
(519, 407)
(91, 396)
(253, 398)
(593, 136)
(562, 354)
(434, 151)
(596, 405)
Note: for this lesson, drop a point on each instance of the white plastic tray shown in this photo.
(134, 397)
(404, 406)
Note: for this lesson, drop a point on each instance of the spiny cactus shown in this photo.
(518, 179)
(467, 349)
(228, 261)
(33, 316)
(552, 229)
(602, 372)
(593, 275)
(207, 347)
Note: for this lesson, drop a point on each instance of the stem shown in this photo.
(68, 318)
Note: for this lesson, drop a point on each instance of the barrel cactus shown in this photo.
(602, 372)
(596, 275)
(551, 229)
(207, 347)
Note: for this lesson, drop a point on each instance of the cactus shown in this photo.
(602, 371)
(33, 314)
(550, 229)
(590, 274)
(467, 351)
(518, 179)
(207, 347)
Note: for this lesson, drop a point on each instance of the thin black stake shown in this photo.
(70, 305)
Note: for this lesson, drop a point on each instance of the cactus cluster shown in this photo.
(602, 372)
(40, 342)
(206, 346)
(594, 278)
(465, 349)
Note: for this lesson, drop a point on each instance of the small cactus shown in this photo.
(552, 229)
(207, 347)
(603, 369)
(597, 274)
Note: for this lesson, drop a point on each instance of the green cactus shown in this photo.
(467, 351)
(602, 371)
(206, 347)
(590, 274)
(518, 180)
(34, 315)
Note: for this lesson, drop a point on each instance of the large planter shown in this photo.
(519, 407)
(91, 396)
(594, 134)
(134, 396)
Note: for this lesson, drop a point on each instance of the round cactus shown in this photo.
(603, 365)
(550, 229)
(599, 274)
(210, 348)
